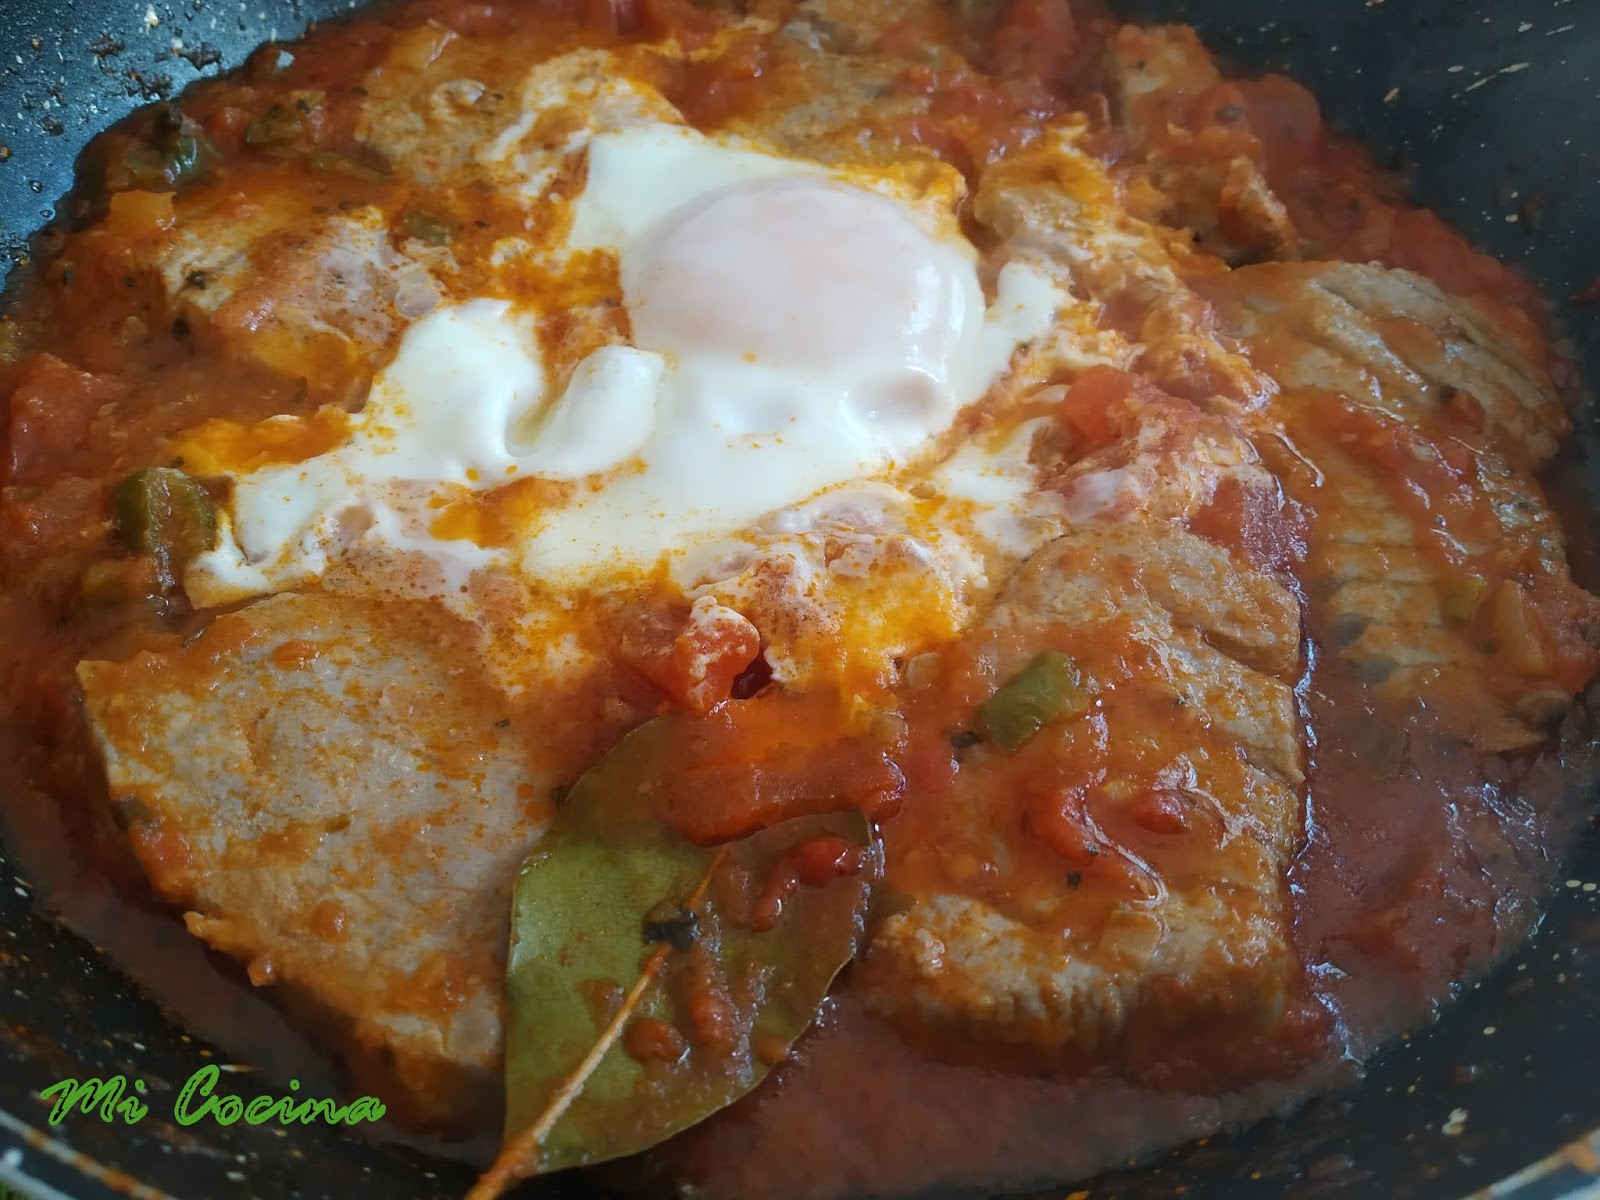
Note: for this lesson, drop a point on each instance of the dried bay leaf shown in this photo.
(712, 959)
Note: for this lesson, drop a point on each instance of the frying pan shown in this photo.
(1491, 106)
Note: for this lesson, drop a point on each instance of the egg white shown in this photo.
(690, 442)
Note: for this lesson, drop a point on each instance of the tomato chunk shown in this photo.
(51, 411)
(697, 665)
(1093, 403)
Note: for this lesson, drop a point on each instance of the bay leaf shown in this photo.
(743, 958)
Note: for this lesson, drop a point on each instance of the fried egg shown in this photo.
(792, 332)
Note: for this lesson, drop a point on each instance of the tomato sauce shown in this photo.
(1422, 863)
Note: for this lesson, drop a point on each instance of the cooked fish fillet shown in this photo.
(428, 113)
(314, 300)
(846, 27)
(1391, 343)
(1183, 596)
(1393, 340)
(425, 111)
(1190, 654)
(333, 797)
(429, 116)
(1157, 70)
(1160, 76)
(1386, 603)
(1057, 209)
(1276, 345)
(841, 47)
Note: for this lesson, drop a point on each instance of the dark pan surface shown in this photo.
(1492, 105)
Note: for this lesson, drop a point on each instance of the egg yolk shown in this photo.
(799, 273)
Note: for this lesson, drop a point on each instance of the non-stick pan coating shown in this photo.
(1492, 106)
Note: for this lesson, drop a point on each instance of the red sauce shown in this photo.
(1422, 861)
(1412, 879)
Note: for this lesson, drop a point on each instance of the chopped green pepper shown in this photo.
(426, 227)
(143, 168)
(1461, 598)
(186, 153)
(278, 126)
(163, 512)
(174, 153)
(282, 124)
(190, 154)
(1048, 689)
(163, 151)
(343, 164)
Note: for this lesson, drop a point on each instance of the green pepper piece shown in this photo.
(278, 126)
(143, 167)
(1461, 598)
(185, 151)
(183, 157)
(190, 154)
(163, 512)
(1047, 690)
(343, 164)
(426, 227)
(176, 152)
